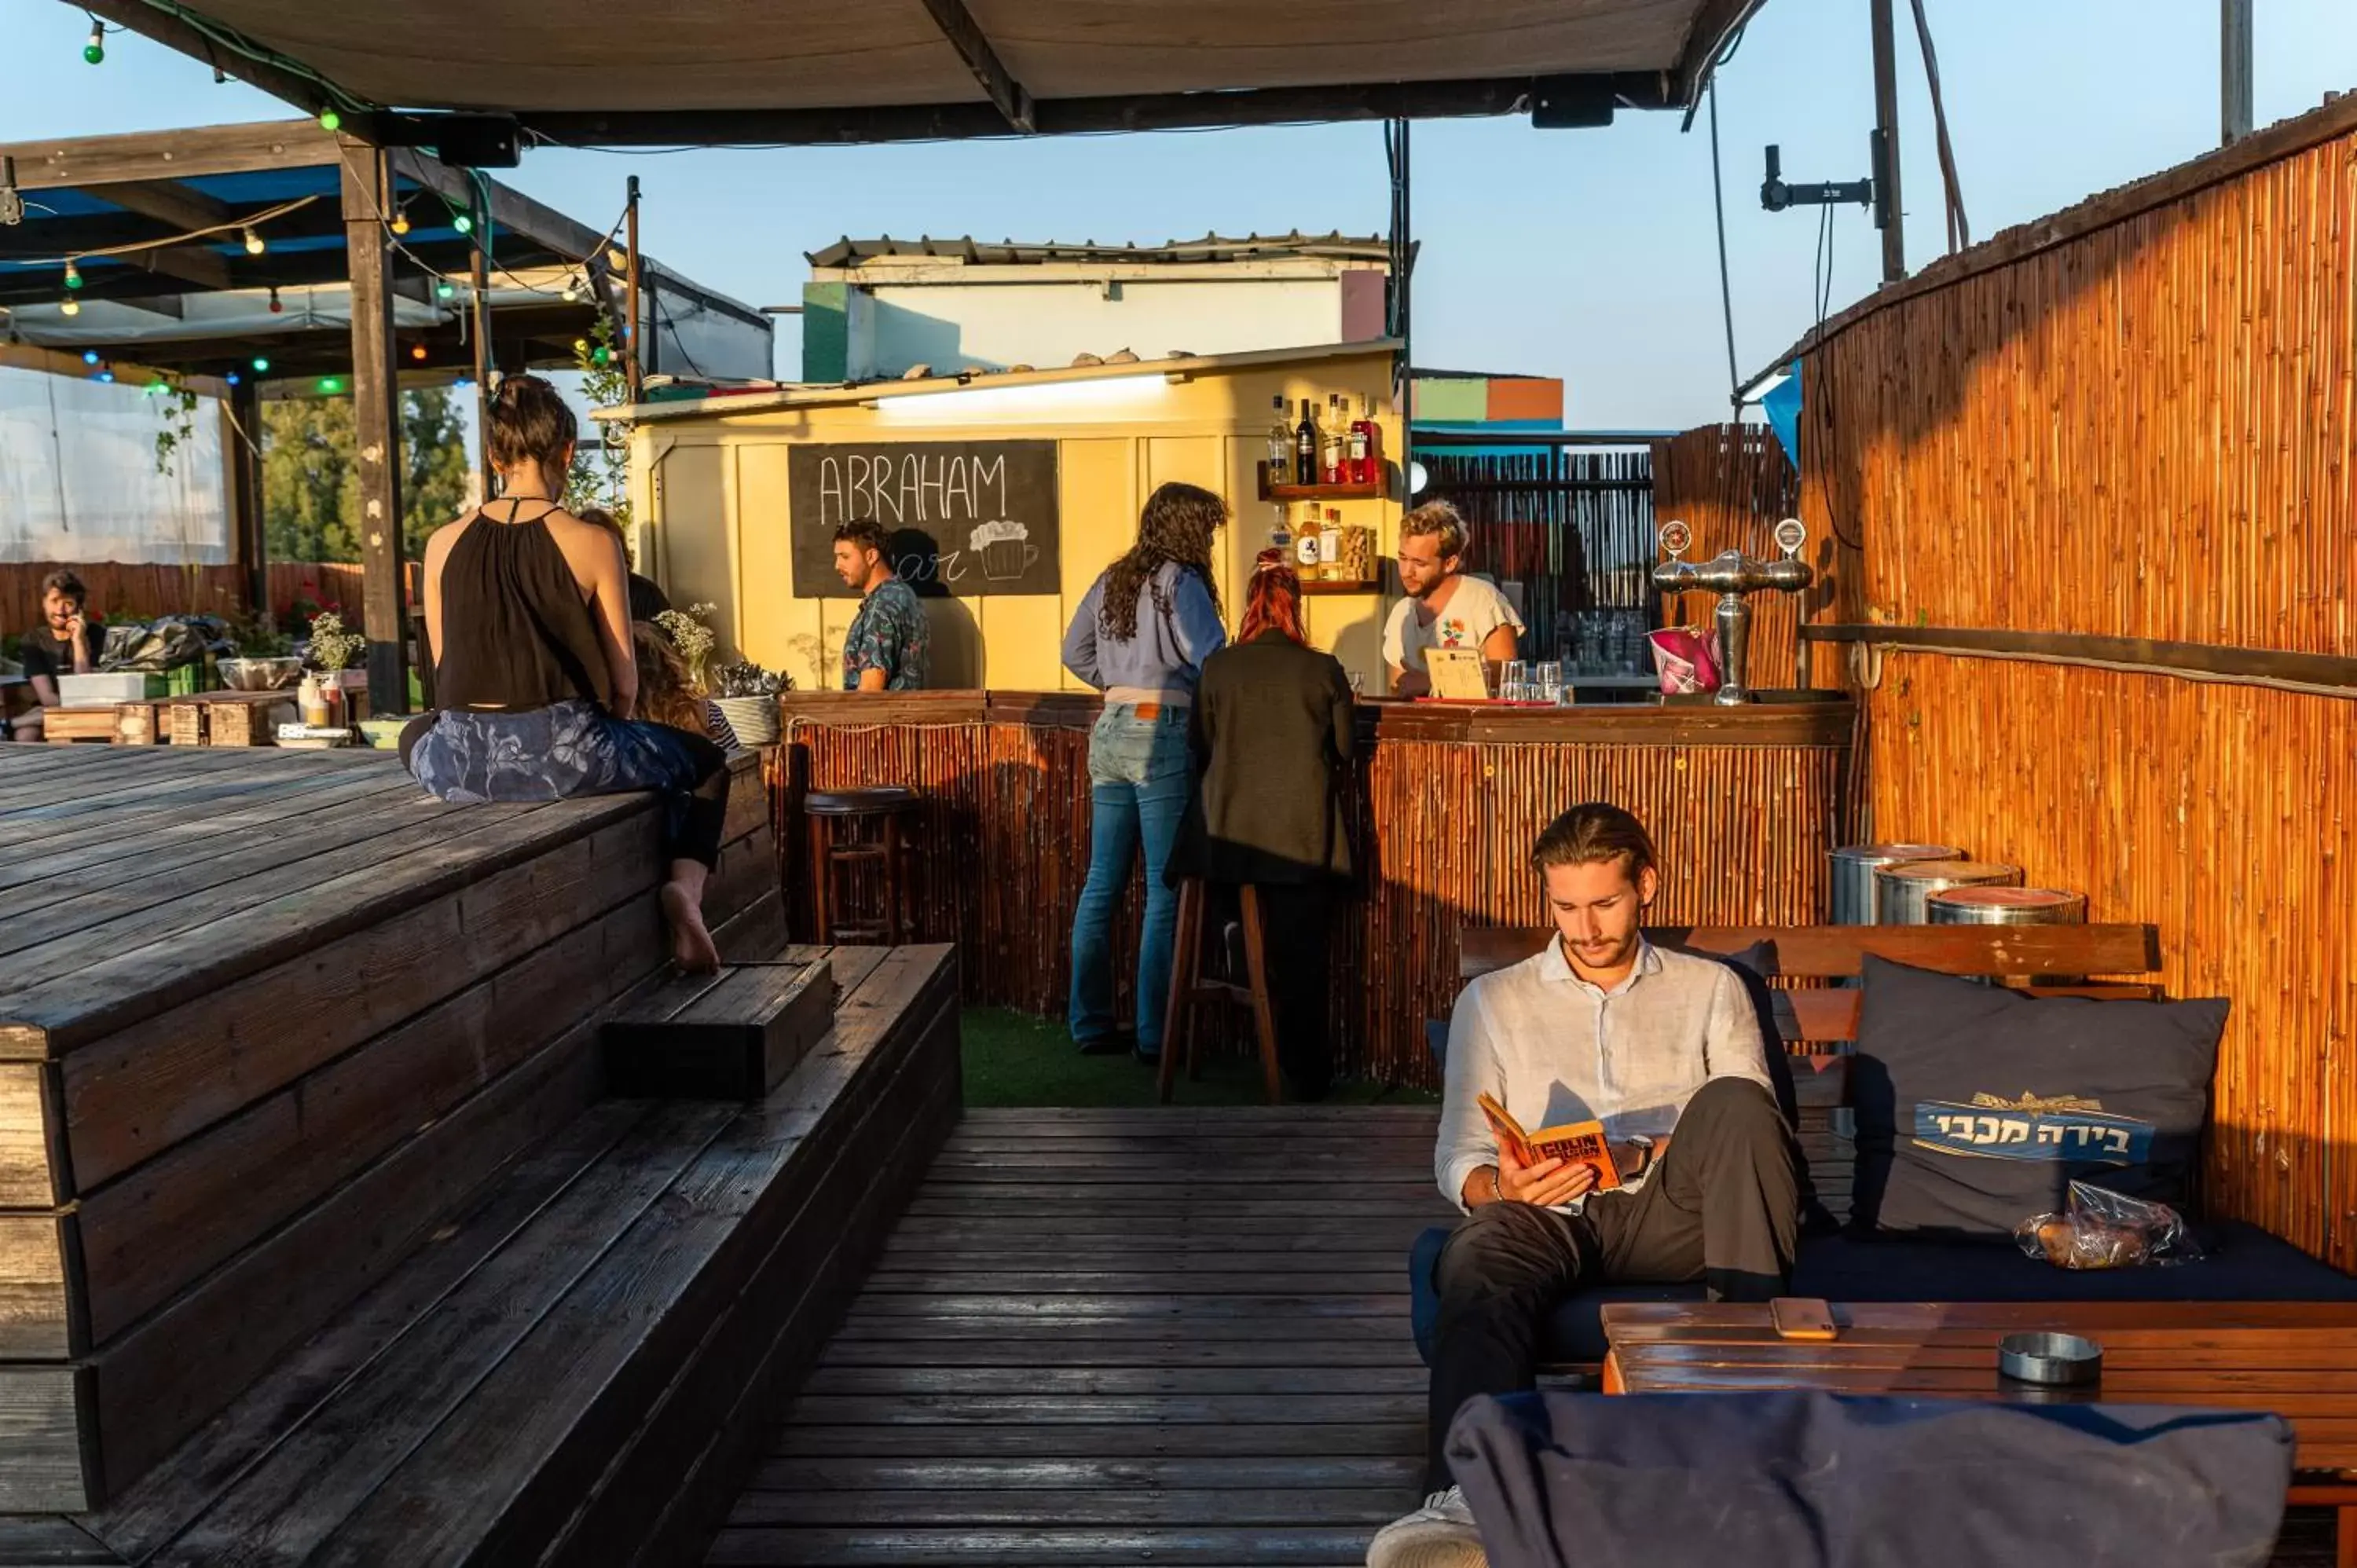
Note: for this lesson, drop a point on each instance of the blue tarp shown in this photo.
(1782, 406)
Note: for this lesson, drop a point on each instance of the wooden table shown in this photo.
(2295, 1359)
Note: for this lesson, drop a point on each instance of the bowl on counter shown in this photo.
(260, 675)
(384, 734)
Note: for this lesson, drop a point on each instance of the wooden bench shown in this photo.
(1819, 1023)
(246, 1072)
(577, 1365)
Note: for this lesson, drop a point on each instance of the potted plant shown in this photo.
(746, 695)
(333, 653)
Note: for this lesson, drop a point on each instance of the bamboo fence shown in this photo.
(1731, 484)
(2135, 419)
(141, 590)
(1441, 832)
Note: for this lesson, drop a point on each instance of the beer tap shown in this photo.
(1733, 576)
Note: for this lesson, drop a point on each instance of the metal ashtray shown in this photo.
(2055, 1359)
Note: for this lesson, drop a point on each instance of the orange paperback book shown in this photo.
(1574, 1143)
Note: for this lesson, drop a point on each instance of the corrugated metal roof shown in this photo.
(850, 252)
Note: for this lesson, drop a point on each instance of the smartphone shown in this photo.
(1801, 1317)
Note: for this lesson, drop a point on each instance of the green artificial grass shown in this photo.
(1014, 1059)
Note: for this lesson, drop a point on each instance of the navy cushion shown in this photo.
(1977, 1106)
(1812, 1479)
(2244, 1263)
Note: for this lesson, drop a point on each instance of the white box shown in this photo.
(97, 691)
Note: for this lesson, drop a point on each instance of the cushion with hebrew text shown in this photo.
(1978, 1106)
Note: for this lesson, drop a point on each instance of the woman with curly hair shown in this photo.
(1140, 637)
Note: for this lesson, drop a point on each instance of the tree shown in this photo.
(310, 478)
(601, 472)
(434, 486)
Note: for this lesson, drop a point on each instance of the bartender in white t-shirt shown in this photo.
(1444, 608)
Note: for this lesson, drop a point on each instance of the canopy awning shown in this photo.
(824, 70)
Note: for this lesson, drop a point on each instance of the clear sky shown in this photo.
(1587, 254)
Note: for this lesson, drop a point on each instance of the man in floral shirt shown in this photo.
(1444, 608)
(886, 648)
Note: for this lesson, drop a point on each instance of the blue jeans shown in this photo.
(1139, 781)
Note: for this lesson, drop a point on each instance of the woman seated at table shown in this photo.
(1270, 735)
(527, 613)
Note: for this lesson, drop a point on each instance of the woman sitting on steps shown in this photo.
(528, 614)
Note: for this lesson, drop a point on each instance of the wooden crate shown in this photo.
(63, 727)
(139, 724)
(183, 720)
(245, 718)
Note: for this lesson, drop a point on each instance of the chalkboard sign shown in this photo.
(965, 517)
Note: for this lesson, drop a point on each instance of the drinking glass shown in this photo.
(1547, 683)
(1513, 685)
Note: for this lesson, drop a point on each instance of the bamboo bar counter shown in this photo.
(1743, 802)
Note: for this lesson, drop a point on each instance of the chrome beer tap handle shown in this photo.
(1734, 576)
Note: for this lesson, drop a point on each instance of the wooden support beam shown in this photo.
(966, 36)
(1073, 116)
(88, 161)
(190, 263)
(1890, 211)
(376, 404)
(241, 455)
(169, 202)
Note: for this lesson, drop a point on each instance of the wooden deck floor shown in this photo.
(1101, 1337)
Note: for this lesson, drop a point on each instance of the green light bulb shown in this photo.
(94, 51)
(330, 120)
(260, 366)
(464, 224)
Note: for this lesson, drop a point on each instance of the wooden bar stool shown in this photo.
(1189, 986)
(888, 804)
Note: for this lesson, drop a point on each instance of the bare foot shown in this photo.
(691, 945)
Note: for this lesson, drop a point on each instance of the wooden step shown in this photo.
(730, 1035)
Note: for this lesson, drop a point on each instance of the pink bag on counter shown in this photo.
(1686, 659)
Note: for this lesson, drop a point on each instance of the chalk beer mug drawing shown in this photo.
(1004, 550)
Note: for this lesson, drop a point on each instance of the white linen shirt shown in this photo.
(1474, 610)
(1553, 1049)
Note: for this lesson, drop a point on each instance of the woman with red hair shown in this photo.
(1270, 734)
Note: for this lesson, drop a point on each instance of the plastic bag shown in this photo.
(2106, 1229)
(164, 643)
(1686, 659)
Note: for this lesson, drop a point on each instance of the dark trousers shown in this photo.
(1295, 936)
(1723, 1207)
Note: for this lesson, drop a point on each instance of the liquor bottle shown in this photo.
(1308, 544)
(1329, 551)
(1306, 448)
(1336, 452)
(1280, 442)
(1279, 536)
(1366, 439)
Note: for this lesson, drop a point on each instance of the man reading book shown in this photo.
(1698, 1178)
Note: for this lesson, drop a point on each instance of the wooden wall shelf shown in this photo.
(1375, 491)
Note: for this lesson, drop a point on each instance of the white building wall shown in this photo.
(950, 325)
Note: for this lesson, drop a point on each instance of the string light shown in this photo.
(69, 306)
(400, 223)
(105, 375)
(443, 289)
(231, 377)
(462, 222)
(260, 366)
(331, 385)
(572, 291)
(418, 350)
(253, 243)
(90, 356)
(330, 120)
(94, 51)
(275, 308)
(73, 276)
